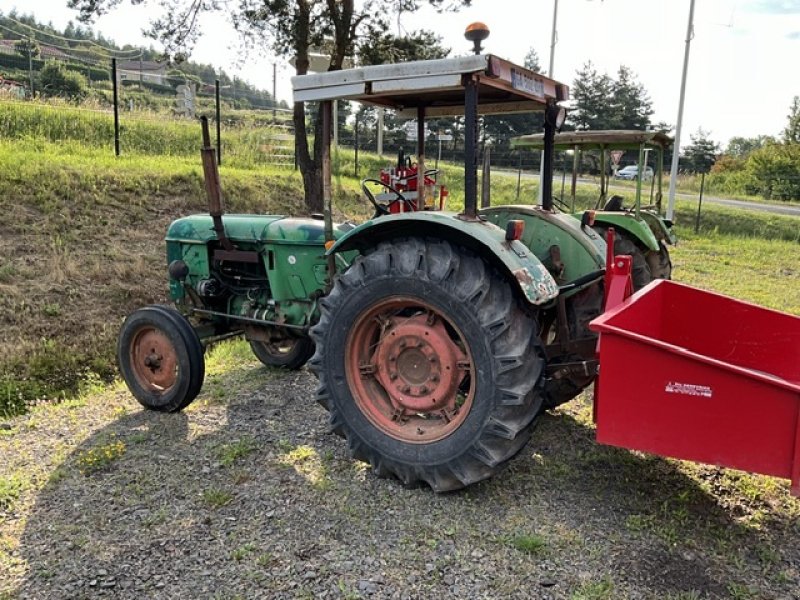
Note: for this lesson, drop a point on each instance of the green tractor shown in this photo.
(437, 337)
(642, 232)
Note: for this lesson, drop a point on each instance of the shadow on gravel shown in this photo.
(254, 499)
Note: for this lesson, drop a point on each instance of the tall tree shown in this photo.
(701, 154)
(791, 135)
(291, 28)
(603, 102)
(590, 91)
(629, 106)
(532, 61)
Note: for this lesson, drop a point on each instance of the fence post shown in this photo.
(274, 90)
(700, 202)
(116, 105)
(356, 144)
(216, 115)
(30, 64)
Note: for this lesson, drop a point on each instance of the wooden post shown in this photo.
(355, 144)
(327, 199)
(486, 200)
(574, 184)
(116, 105)
(217, 115)
(700, 203)
(420, 160)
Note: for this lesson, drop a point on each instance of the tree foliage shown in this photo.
(742, 147)
(791, 135)
(291, 28)
(603, 102)
(27, 47)
(378, 47)
(701, 154)
(57, 80)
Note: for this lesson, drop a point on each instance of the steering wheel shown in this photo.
(383, 209)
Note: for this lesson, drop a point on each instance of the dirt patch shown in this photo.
(247, 495)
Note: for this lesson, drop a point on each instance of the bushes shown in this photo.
(772, 172)
(57, 80)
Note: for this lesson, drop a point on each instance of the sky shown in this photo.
(744, 65)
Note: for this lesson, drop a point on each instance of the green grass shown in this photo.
(83, 247)
(246, 143)
(228, 454)
(602, 589)
(533, 544)
(100, 457)
(216, 497)
(10, 488)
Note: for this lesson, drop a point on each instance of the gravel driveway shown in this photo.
(246, 495)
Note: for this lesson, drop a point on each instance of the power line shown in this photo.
(136, 51)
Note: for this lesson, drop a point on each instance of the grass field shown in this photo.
(82, 245)
(247, 141)
(248, 483)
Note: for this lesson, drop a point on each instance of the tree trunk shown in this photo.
(310, 169)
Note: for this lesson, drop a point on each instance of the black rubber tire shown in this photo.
(302, 349)
(188, 352)
(502, 339)
(581, 309)
(623, 244)
(659, 262)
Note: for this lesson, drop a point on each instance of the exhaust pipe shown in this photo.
(213, 189)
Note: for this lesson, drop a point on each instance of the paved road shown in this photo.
(789, 209)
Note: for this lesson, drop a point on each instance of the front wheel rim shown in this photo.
(410, 370)
(154, 360)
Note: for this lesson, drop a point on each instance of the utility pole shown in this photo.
(274, 89)
(553, 38)
(676, 147)
(30, 63)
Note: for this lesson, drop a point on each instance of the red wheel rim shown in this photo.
(154, 360)
(410, 370)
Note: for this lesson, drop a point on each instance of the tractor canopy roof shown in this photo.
(608, 139)
(437, 85)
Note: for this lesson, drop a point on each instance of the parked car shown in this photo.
(631, 172)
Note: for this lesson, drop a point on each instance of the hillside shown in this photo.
(81, 245)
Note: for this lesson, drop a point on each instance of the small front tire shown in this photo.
(160, 358)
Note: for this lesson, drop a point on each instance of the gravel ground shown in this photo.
(247, 495)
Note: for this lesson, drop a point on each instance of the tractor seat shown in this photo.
(614, 204)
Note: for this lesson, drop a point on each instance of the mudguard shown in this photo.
(637, 229)
(513, 259)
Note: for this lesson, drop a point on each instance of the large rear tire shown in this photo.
(581, 309)
(160, 358)
(427, 364)
(659, 262)
(623, 244)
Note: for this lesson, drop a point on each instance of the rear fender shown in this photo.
(637, 229)
(659, 227)
(516, 262)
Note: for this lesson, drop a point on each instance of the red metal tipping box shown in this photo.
(699, 376)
